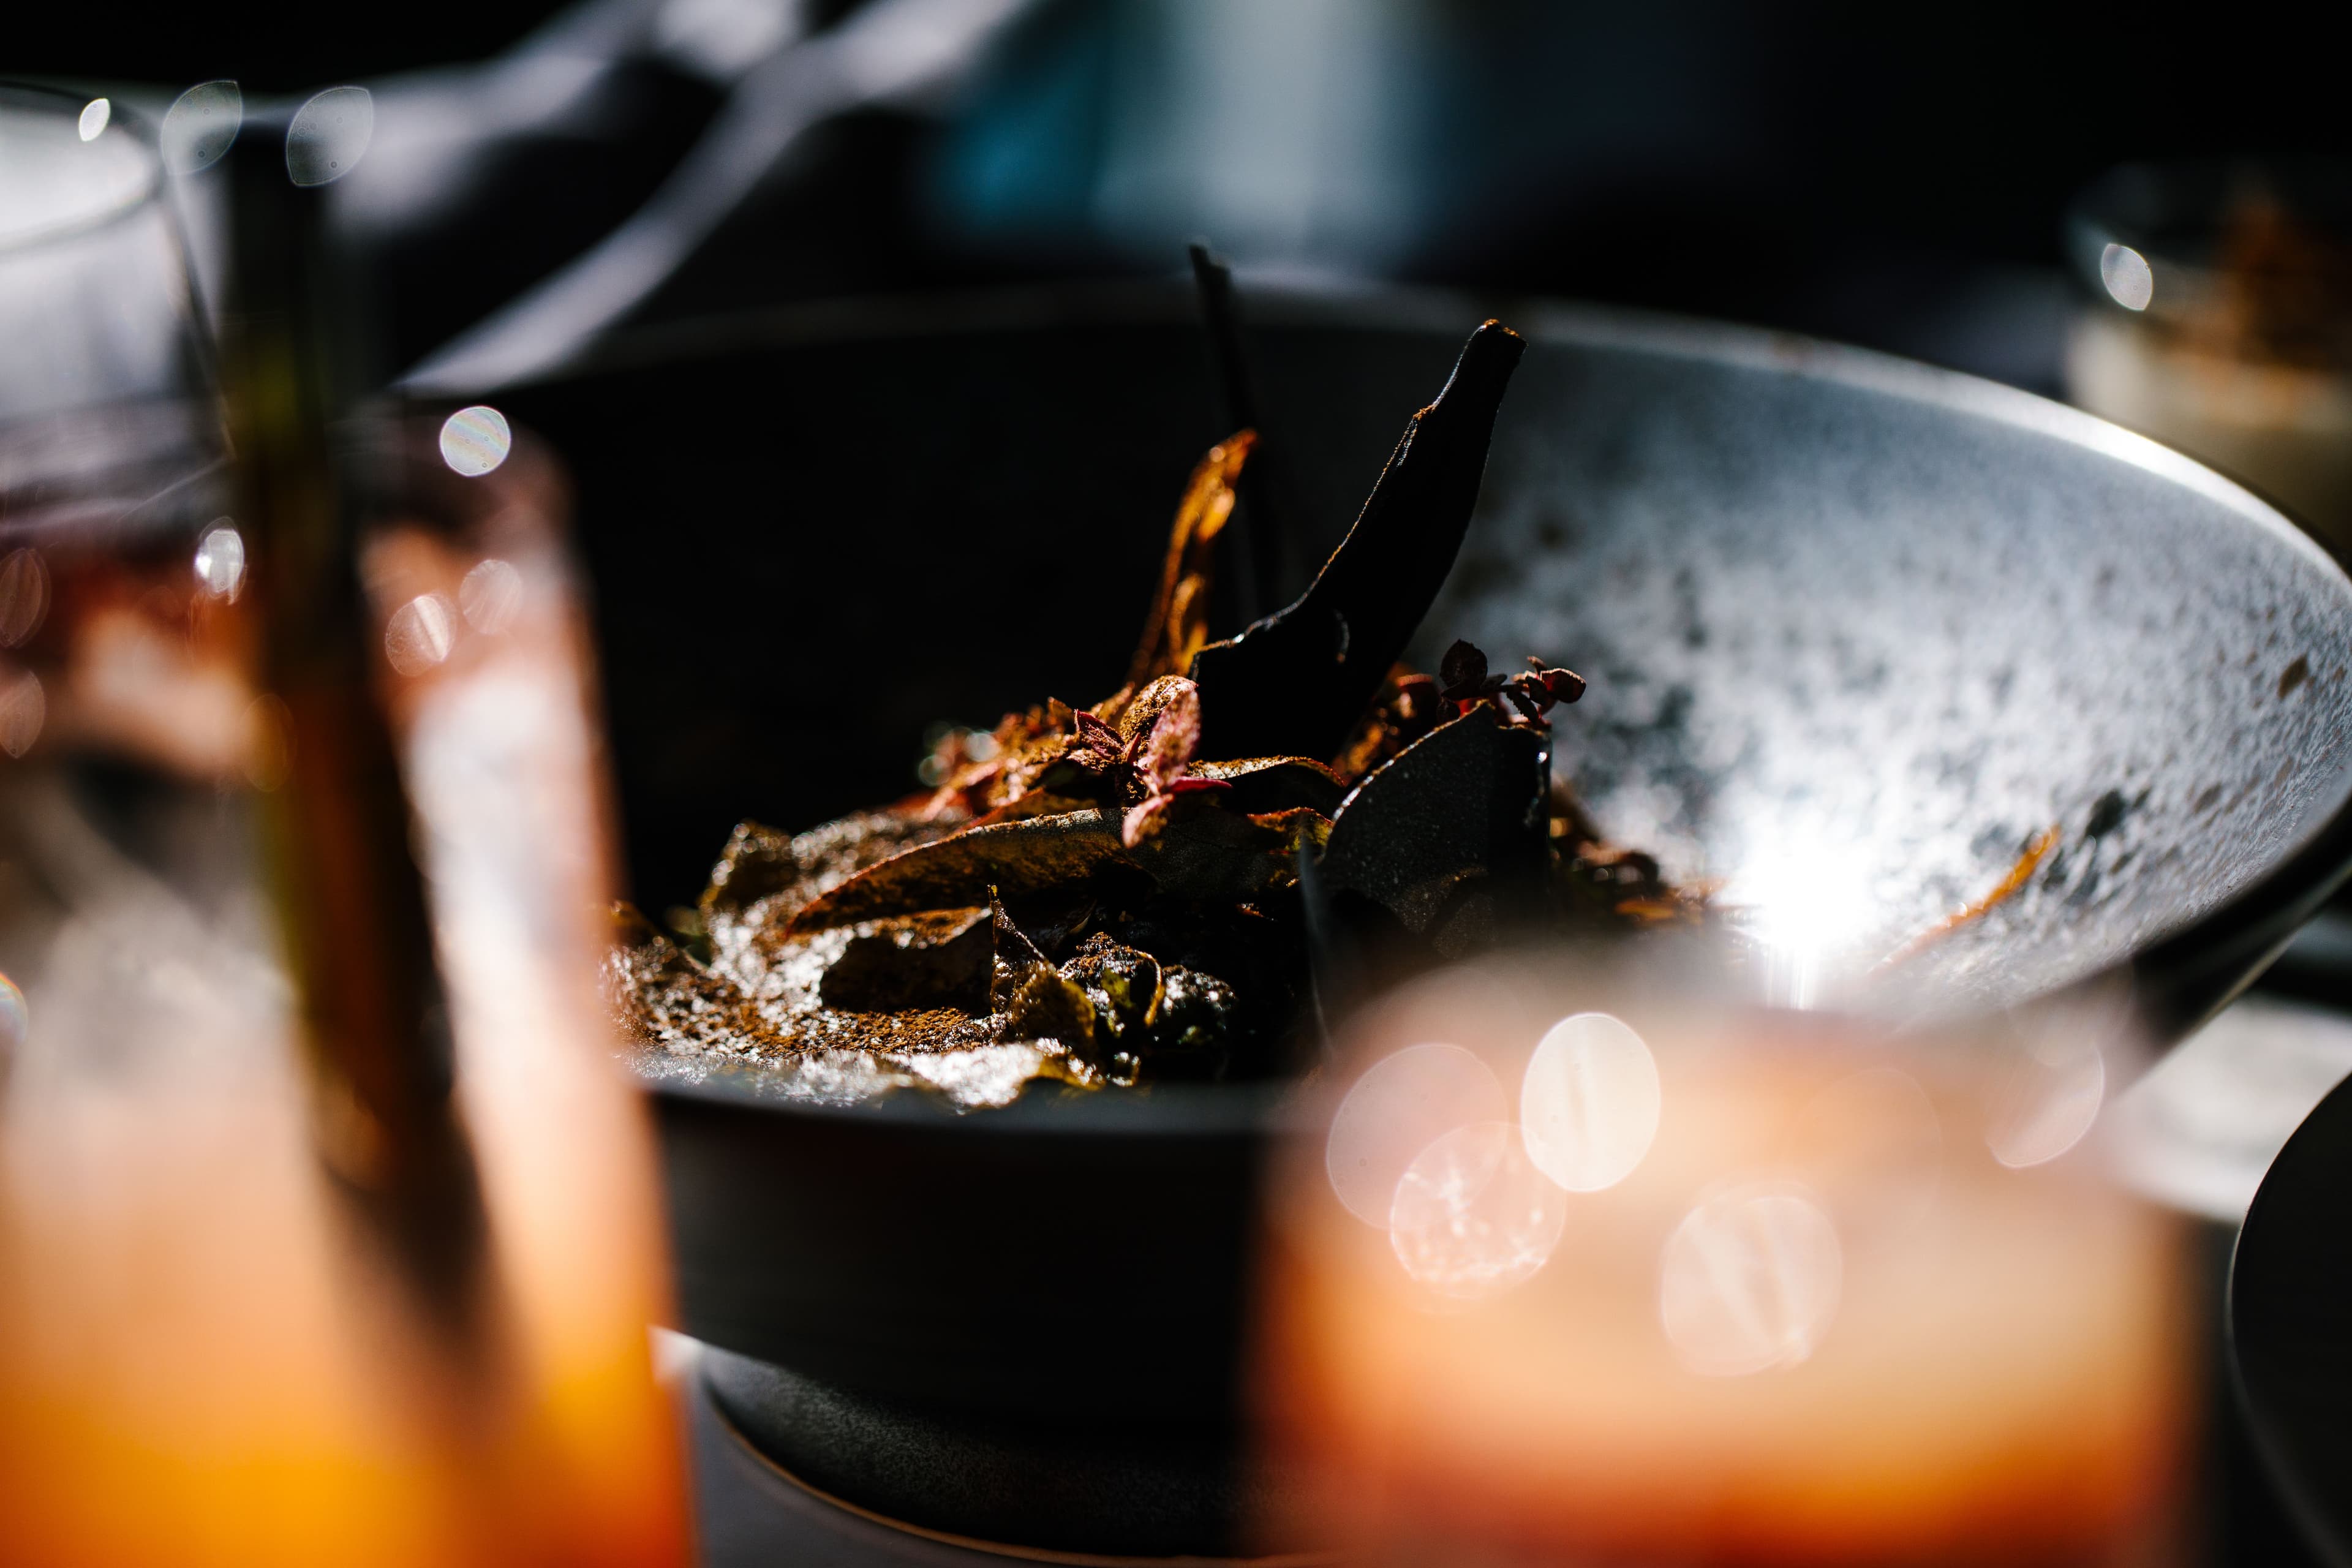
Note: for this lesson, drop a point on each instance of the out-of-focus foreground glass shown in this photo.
(2220, 321)
(97, 428)
(220, 1340)
(1571, 1272)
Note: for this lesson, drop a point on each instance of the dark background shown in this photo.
(1889, 174)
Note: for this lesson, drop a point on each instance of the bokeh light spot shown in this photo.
(15, 1021)
(220, 560)
(1589, 1103)
(1472, 1217)
(2048, 1097)
(24, 595)
(476, 440)
(201, 126)
(24, 709)
(1874, 1148)
(420, 634)
(1750, 1280)
(95, 115)
(1402, 1104)
(2130, 282)
(328, 135)
(489, 597)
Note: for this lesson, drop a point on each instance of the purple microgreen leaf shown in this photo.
(1165, 744)
(1531, 704)
(1565, 685)
(1094, 735)
(1462, 669)
(1139, 818)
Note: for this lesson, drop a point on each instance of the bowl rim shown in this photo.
(2182, 977)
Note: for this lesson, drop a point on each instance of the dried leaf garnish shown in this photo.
(761, 865)
(1178, 625)
(1207, 855)
(1017, 858)
(939, 959)
(765, 876)
(1042, 802)
(1261, 784)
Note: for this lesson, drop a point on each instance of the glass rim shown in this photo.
(36, 99)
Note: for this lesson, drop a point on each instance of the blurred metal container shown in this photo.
(2221, 320)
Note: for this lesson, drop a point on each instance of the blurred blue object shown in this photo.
(1357, 137)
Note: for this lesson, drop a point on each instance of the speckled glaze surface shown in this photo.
(1868, 629)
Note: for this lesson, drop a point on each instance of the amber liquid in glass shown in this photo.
(216, 1347)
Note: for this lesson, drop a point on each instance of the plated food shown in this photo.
(1153, 885)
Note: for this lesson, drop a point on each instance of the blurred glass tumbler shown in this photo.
(1570, 1277)
(103, 352)
(2219, 322)
(215, 1345)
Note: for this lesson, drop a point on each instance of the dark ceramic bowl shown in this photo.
(1872, 621)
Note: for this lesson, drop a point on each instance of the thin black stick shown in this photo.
(1258, 574)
